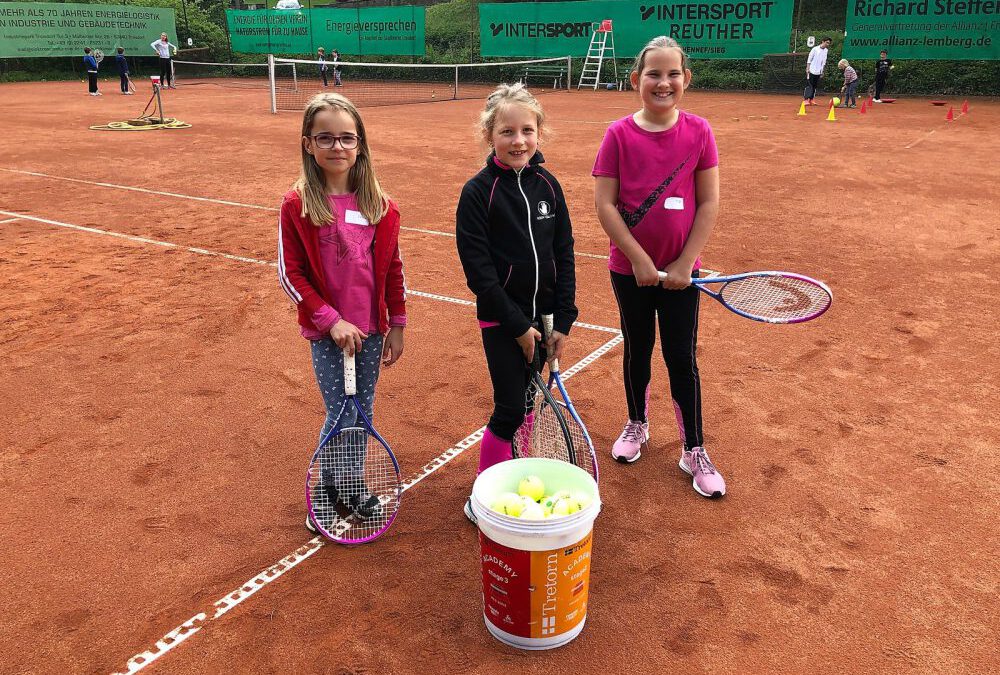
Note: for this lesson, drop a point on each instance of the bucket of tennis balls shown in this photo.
(536, 519)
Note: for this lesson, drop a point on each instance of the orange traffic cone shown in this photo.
(831, 117)
(864, 108)
(950, 116)
(802, 108)
(965, 107)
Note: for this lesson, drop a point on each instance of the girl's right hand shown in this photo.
(528, 342)
(645, 272)
(347, 336)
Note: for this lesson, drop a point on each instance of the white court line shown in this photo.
(9, 220)
(210, 200)
(174, 637)
(243, 259)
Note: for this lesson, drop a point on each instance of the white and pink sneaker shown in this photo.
(628, 447)
(706, 479)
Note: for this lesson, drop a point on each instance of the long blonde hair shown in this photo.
(372, 200)
(508, 95)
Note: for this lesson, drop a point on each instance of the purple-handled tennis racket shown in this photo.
(771, 297)
(353, 486)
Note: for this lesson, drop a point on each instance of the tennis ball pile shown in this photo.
(531, 503)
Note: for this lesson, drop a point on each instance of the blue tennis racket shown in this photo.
(771, 297)
(353, 485)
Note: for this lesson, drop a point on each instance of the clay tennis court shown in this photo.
(160, 408)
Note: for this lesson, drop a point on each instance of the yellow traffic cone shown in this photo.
(831, 117)
(802, 108)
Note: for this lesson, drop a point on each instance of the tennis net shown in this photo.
(295, 81)
(234, 75)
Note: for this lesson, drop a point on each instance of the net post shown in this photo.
(454, 95)
(569, 72)
(270, 83)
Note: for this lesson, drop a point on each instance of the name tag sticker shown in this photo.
(674, 203)
(355, 217)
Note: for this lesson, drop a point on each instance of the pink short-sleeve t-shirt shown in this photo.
(656, 193)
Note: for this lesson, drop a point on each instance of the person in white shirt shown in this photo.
(814, 69)
(165, 49)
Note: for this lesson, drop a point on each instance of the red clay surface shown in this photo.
(159, 406)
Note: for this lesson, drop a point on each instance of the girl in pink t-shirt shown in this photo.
(657, 197)
(338, 260)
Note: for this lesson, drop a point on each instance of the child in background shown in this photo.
(165, 50)
(847, 91)
(90, 63)
(882, 68)
(123, 70)
(336, 69)
(321, 55)
(515, 242)
(657, 197)
(338, 260)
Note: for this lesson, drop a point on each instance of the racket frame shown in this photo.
(701, 282)
(350, 390)
(549, 400)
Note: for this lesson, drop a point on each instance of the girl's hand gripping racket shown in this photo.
(544, 432)
(583, 447)
(353, 486)
(772, 297)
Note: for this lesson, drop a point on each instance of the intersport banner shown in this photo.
(931, 29)
(706, 30)
(376, 30)
(64, 29)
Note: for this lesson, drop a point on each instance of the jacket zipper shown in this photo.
(531, 236)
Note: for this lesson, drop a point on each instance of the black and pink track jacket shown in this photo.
(515, 241)
(300, 267)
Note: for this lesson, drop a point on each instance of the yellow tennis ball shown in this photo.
(582, 498)
(836, 100)
(531, 486)
(547, 504)
(508, 504)
(564, 506)
(533, 511)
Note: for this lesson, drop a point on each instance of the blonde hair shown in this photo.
(842, 63)
(372, 201)
(504, 96)
(660, 42)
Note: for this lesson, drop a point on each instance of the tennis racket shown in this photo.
(131, 84)
(583, 446)
(353, 486)
(544, 432)
(771, 297)
(98, 55)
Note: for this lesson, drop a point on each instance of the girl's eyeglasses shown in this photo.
(327, 141)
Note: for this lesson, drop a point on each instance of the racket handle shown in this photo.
(350, 375)
(662, 275)
(547, 323)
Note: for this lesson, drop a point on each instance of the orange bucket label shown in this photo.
(535, 594)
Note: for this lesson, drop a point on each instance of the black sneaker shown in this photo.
(367, 506)
(467, 509)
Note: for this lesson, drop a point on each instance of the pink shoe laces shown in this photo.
(702, 464)
(633, 432)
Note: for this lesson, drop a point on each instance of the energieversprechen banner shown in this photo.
(707, 30)
(376, 30)
(64, 29)
(942, 29)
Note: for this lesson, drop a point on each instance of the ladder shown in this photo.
(602, 46)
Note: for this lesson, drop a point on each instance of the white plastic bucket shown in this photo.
(536, 573)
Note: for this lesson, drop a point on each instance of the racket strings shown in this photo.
(353, 486)
(776, 297)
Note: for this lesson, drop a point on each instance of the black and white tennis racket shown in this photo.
(353, 485)
(771, 297)
(583, 446)
(98, 55)
(544, 432)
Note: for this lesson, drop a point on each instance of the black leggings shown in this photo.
(511, 377)
(640, 309)
(166, 73)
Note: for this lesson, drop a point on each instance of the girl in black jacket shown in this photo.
(515, 242)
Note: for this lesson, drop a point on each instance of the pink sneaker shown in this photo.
(628, 447)
(707, 481)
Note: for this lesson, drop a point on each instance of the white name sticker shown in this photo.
(355, 217)
(674, 203)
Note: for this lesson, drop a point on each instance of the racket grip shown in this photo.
(662, 275)
(547, 325)
(350, 375)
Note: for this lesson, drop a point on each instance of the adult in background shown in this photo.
(165, 50)
(90, 63)
(814, 69)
